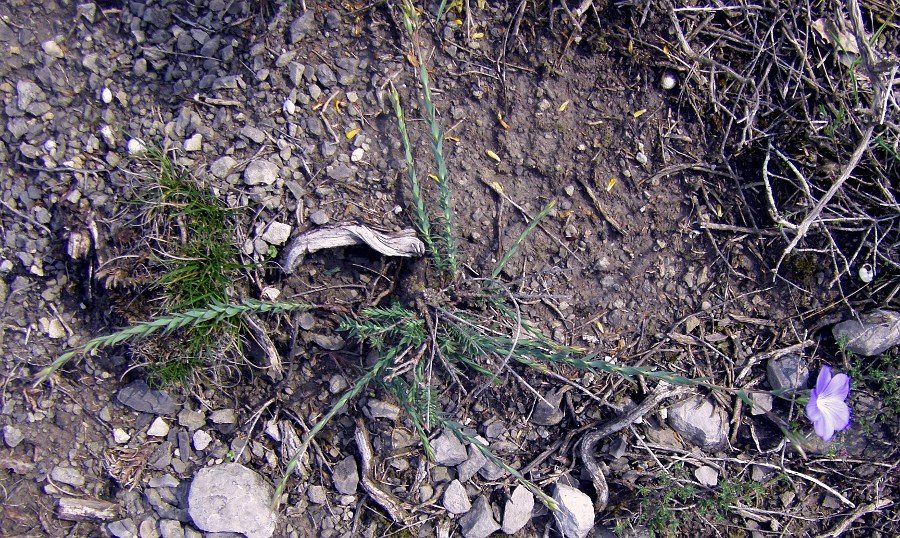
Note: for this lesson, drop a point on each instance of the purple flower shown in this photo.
(826, 408)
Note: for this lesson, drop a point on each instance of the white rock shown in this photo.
(108, 136)
(456, 500)
(707, 476)
(277, 233)
(106, 95)
(51, 48)
(201, 440)
(357, 155)
(289, 107)
(136, 146)
(874, 333)
(232, 498)
(700, 421)
(194, 143)
(669, 81)
(576, 511)
(518, 509)
(55, 329)
(260, 173)
(158, 428)
(120, 436)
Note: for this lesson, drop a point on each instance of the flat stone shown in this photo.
(345, 476)
(575, 516)
(872, 334)
(124, 528)
(51, 48)
(232, 498)
(67, 475)
(448, 451)
(700, 421)
(140, 397)
(192, 420)
(223, 416)
(762, 402)
(260, 173)
(121, 436)
(787, 372)
(222, 166)
(159, 428)
(253, 134)
(381, 409)
(518, 510)
(340, 172)
(479, 521)
(707, 476)
(28, 92)
(165, 480)
(194, 143)
(12, 436)
(302, 26)
(295, 73)
(201, 440)
(87, 11)
(316, 494)
(492, 472)
(319, 218)
(170, 528)
(475, 461)
(277, 233)
(456, 500)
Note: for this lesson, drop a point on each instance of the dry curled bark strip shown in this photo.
(589, 442)
(389, 502)
(403, 243)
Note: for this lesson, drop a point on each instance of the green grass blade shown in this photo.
(515, 246)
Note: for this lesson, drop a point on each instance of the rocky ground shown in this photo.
(278, 109)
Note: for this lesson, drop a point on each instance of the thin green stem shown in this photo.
(515, 246)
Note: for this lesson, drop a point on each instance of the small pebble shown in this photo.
(159, 428)
(106, 95)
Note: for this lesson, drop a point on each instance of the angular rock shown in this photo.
(381, 409)
(170, 528)
(316, 494)
(479, 521)
(319, 218)
(707, 476)
(140, 397)
(232, 498)
(456, 500)
(194, 143)
(192, 420)
(201, 440)
(123, 528)
(575, 516)
(787, 372)
(67, 475)
(253, 134)
(448, 450)
(277, 233)
(12, 436)
(260, 173)
(518, 509)
(872, 334)
(700, 421)
(223, 416)
(222, 166)
(303, 26)
(28, 92)
(346, 476)
(548, 413)
(158, 428)
(473, 463)
(491, 472)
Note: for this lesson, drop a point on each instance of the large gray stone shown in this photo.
(140, 397)
(448, 450)
(232, 498)
(28, 92)
(456, 500)
(303, 26)
(346, 476)
(787, 372)
(260, 173)
(700, 421)
(479, 521)
(518, 509)
(872, 334)
(575, 515)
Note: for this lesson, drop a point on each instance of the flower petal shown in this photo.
(839, 387)
(835, 413)
(812, 409)
(824, 379)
